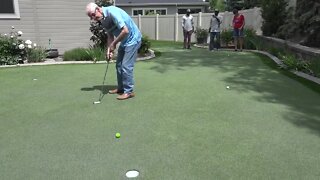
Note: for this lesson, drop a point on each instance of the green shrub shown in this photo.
(36, 54)
(77, 54)
(201, 35)
(314, 67)
(145, 45)
(96, 54)
(278, 52)
(10, 53)
(14, 50)
(249, 36)
(289, 60)
(226, 36)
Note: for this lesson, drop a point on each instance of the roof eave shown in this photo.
(157, 4)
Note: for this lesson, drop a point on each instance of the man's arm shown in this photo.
(109, 54)
(123, 34)
(112, 42)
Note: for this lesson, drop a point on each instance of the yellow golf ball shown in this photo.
(118, 135)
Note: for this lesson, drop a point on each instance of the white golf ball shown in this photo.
(228, 87)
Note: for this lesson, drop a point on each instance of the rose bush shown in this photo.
(14, 50)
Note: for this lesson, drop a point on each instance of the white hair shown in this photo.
(91, 8)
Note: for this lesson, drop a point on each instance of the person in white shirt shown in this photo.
(188, 28)
(214, 30)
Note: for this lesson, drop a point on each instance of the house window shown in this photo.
(136, 12)
(193, 10)
(149, 12)
(161, 11)
(9, 9)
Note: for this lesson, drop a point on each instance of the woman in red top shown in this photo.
(238, 24)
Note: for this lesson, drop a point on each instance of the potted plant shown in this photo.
(52, 53)
(201, 35)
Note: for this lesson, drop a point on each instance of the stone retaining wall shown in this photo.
(302, 52)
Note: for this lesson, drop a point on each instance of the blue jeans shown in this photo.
(214, 44)
(124, 66)
(237, 32)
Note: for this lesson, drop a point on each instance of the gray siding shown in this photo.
(25, 24)
(64, 22)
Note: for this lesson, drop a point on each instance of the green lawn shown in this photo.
(183, 123)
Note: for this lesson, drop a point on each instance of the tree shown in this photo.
(303, 25)
(241, 4)
(308, 15)
(274, 13)
(251, 4)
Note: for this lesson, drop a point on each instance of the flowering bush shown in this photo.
(14, 50)
(201, 35)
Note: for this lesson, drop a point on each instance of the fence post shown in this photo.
(176, 30)
(199, 19)
(139, 21)
(157, 27)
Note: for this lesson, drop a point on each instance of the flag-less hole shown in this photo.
(132, 173)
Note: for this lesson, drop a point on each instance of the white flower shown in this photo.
(14, 44)
(21, 46)
(12, 27)
(11, 36)
(28, 42)
(20, 33)
(34, 45)
(5, 34)
(29, 46)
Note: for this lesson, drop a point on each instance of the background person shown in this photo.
(214, 30)
(120, 28)
(238, 23)
(188, 28)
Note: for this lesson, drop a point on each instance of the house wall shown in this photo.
(25, 23)
(64, 22)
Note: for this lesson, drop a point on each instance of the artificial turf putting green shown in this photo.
(183, 123)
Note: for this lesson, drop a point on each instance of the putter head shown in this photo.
(96, 102)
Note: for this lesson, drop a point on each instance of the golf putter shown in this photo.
(105, 74)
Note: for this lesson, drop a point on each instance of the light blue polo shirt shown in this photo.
(120, 18)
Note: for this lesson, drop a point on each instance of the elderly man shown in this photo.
(120, 28)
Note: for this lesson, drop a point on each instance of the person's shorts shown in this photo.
(237, 32)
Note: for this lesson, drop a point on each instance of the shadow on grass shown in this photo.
(103, 89)
(253, 72)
